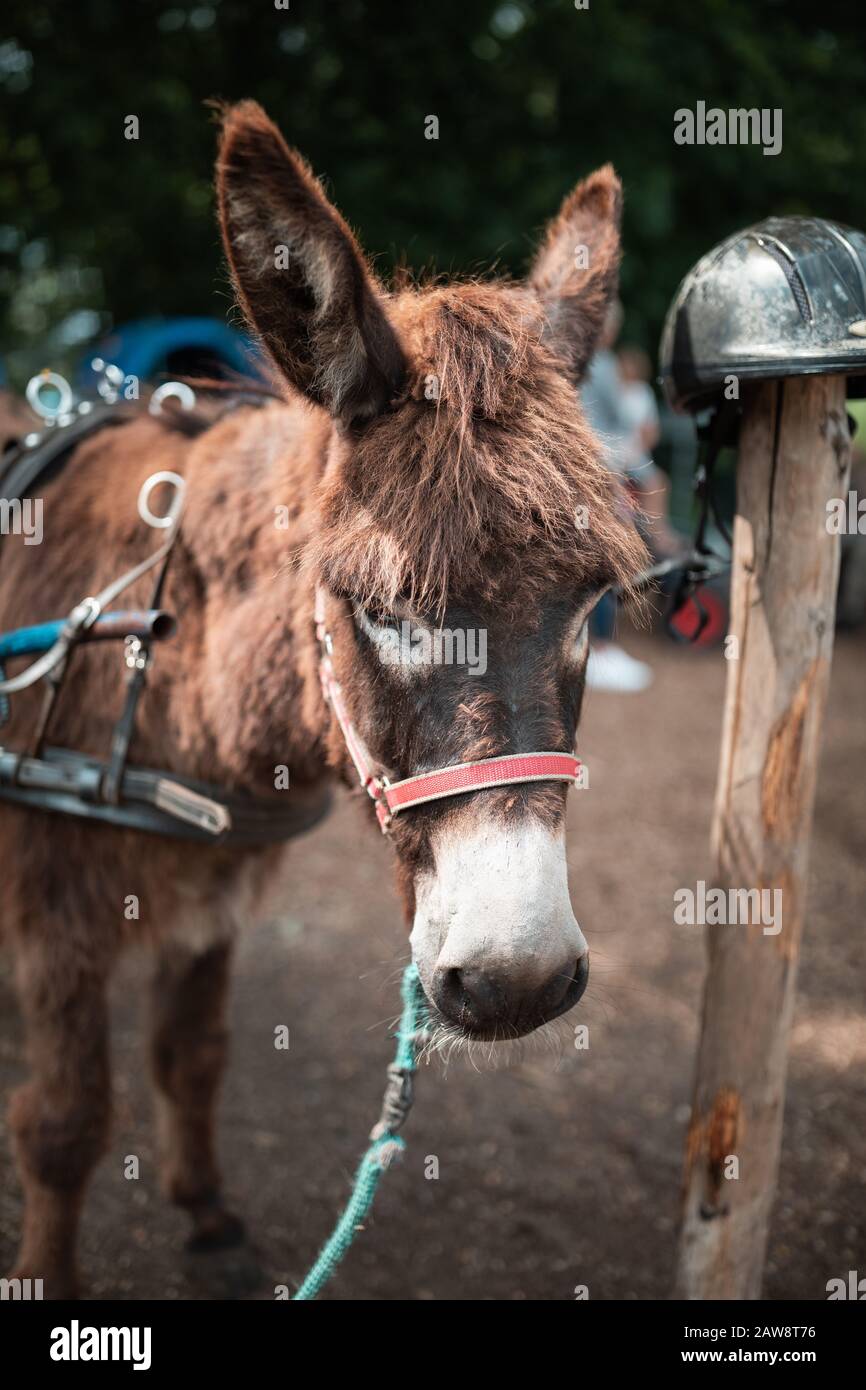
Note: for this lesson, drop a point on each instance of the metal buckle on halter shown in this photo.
(376, 787)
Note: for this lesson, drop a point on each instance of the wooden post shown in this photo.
(793, 457)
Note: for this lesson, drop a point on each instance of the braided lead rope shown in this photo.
(385, 1143)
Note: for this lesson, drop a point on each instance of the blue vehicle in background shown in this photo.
(157, 348)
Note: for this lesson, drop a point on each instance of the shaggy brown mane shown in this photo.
(478, 491)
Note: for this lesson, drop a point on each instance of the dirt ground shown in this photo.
(562, 1167)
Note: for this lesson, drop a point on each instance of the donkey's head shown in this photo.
(465, 526)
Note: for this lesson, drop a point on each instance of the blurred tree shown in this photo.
(96, 228)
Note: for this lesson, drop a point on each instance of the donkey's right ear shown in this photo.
(299, 274)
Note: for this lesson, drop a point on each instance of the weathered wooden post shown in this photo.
(793, 458)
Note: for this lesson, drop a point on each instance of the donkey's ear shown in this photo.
(299, 274)
(576, 269)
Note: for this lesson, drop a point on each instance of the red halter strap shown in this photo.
(393, 797)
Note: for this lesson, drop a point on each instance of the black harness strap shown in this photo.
(28, 465)
(158, 802)
(21, 469)
(59, 780)
(137, 658)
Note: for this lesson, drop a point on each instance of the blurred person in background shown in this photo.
(649, 483)
(624, 429)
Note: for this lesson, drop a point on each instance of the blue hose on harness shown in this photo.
(145, 624)
(31, 641)
(26, 641)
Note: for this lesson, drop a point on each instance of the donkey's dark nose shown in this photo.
(482, 1003)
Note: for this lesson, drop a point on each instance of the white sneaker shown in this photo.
(611, 668)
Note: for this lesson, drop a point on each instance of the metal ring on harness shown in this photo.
(36, 386)
(57, 780)
(172, 516)
(83, 615)
(172, 390)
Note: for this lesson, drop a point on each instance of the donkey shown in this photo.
(480, 503)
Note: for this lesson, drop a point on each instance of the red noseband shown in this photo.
(393, 797)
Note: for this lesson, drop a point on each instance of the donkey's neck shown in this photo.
(251, 483)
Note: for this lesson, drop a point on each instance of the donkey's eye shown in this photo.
(373, 619)
(381, 617)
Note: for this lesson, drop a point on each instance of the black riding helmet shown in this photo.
(786, 297)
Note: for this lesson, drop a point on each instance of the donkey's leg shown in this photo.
(60, 1117)
(188, 1053)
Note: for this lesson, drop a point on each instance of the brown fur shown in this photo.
(452, 497)
(461, 506)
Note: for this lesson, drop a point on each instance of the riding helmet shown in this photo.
(786, 297)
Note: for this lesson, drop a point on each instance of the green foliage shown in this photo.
(529, 97)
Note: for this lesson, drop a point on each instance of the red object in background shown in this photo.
(687, 621)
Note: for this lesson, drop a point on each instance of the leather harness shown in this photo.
(107, 789)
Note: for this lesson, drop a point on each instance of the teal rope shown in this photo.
(385, 1143)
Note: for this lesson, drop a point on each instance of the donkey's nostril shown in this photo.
(449, 991)
(550, 999)
(579, 982)
(470, 995)
(482, 1002)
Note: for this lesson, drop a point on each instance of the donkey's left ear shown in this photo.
(576, 269)
(299, 273)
